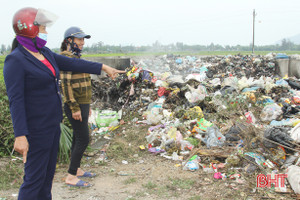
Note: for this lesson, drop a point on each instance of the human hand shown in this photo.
(90, 113)
(77, 115)
(112, 72)
(21, 145)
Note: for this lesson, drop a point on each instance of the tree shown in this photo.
(179, 45)
(286, 44)
(3, 49)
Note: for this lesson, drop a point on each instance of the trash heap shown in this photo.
(226, 115)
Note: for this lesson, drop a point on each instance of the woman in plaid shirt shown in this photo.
(76, 88)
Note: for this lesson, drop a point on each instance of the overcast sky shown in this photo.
(142, 22)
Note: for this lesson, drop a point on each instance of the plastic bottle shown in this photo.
(293, 173)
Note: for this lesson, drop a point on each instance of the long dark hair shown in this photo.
(14, 44)
(64, 45)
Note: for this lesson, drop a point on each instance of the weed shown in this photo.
(6, 127)
(130, 198)
(11, 174)
(195, 198)
(125, 146)
(162, 191)
(181, 183)
(129, 181)
(140, 194)
(65, 144)
(150, 185)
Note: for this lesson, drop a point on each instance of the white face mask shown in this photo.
(43, 36)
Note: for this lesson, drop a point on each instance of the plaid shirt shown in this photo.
(76, 87)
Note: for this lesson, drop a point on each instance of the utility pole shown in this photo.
(254, 14)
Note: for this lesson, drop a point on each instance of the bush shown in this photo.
(6, 127)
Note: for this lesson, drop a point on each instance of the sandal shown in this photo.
(87, 174)
(80, 183)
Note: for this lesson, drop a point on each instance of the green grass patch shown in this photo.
(195, 198)
(140, 194)
(181, 183)
(150, 185)
(129, 181)
(130, 198)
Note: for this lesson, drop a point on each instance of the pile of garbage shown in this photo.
(217, 113)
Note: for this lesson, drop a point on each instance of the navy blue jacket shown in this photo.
(33, 90)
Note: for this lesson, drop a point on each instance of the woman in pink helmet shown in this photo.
(31, 74)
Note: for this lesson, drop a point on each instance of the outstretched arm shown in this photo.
(112, 72)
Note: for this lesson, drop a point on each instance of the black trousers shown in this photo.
(80, 136)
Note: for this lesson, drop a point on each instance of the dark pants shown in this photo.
(40, 166)
(80, 136)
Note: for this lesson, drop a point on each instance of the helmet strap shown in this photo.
(74, 48)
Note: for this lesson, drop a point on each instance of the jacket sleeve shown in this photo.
(67, 90)
(77, 65)
(14, 77)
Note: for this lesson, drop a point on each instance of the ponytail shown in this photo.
(64, 45)
(14, 44)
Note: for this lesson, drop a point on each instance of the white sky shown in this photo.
(142, 22)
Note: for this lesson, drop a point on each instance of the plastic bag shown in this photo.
(154, 118)
(270, 112)
(293, 173)
(295, 133)
(231, 81)
(175, 79)
(282, 82)
(93, 117)
(250, 117)
(215, 82)
(285, 122)
(258, 83)
(192, 164)
(279, 135)
(198, 77)
(243, 83)
(186, 145)
(269, 84)
(106, 117)
(213, 137)
(196, 95)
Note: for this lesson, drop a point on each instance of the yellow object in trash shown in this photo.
(142, 147)
(251, 96)
(113, 128)
(194, 113)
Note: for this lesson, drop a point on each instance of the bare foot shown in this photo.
(73, 180)
(80, 172)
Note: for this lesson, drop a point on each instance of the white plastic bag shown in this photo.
(196, 95)
(295, 133)
(270, 112)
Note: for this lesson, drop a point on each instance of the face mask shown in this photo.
(43, 36)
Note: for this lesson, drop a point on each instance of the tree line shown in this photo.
(101, 48)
